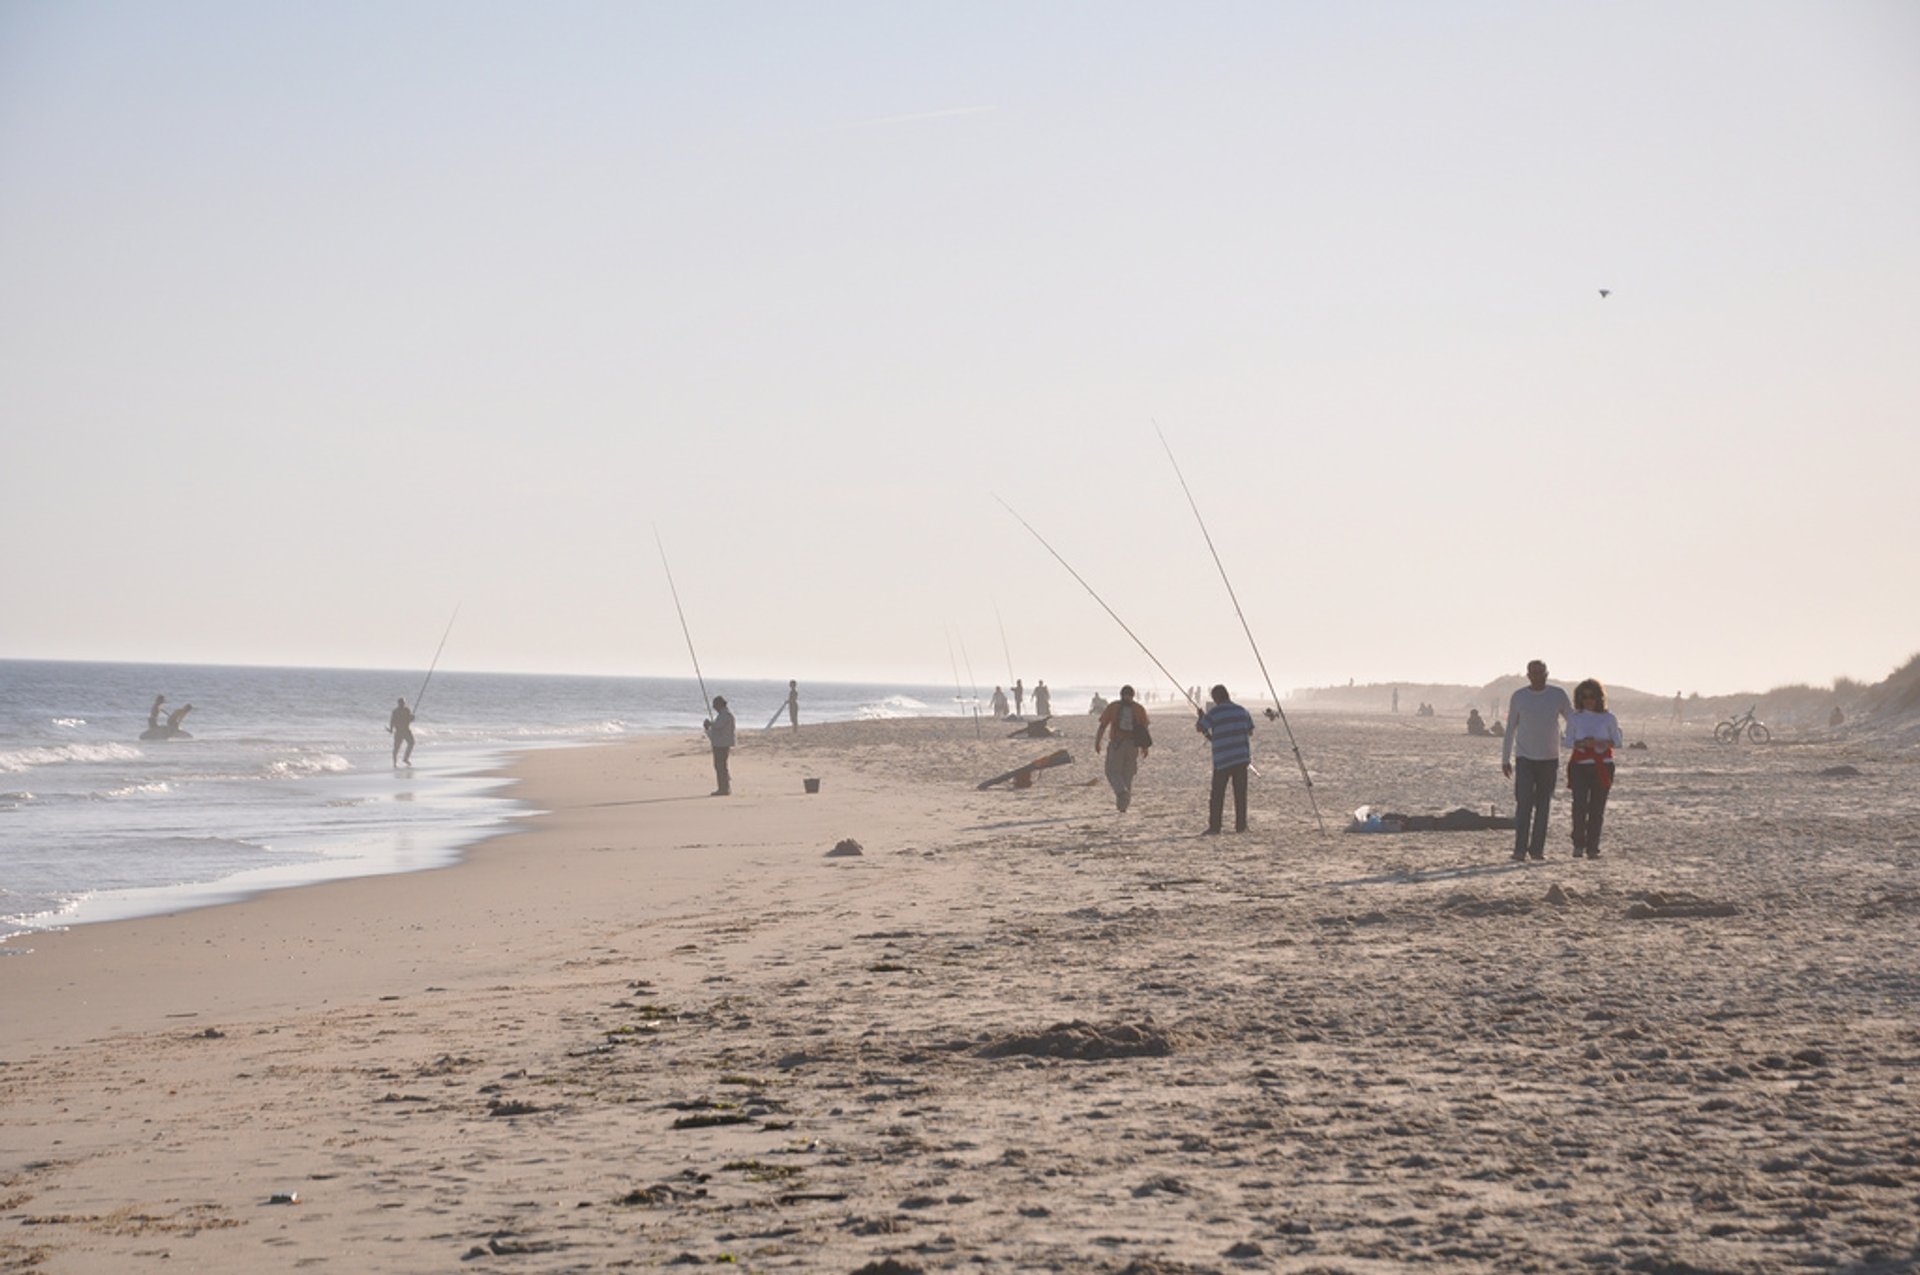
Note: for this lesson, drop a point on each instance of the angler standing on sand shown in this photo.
(1131, 740)
(1230, 729)
(1533, 730)
(719, 730)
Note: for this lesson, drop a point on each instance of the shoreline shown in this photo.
(1018, 1030)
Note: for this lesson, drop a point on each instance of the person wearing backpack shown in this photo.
(1131, 740)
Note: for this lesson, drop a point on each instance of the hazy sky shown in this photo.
(317, 319)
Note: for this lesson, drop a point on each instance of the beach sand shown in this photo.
(1019, 1030)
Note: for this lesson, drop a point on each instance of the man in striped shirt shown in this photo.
(1230, 727)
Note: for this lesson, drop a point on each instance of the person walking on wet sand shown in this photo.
(1128, 722)
(400, 723)
(1230, 729)
(793, 704)
(1533, 732)
(719, 730)
(1592, 733)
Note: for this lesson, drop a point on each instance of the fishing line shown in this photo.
(422, 692)
(1184, 692)
(1194, 505)
(706, 701)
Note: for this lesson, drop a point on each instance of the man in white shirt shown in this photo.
(1534, 715)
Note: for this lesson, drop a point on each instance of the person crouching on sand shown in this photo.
(719, 730)
(1592, 733)
(1128, 722)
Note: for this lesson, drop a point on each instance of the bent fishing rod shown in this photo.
(1184, 692)
(706, 701)
(1281, 712)
(421, 694)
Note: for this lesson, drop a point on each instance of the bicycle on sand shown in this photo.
(1729, 732)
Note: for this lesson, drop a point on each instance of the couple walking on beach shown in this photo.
(1227, 725)
(1534, 734)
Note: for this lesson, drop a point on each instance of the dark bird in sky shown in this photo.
(1605, 293)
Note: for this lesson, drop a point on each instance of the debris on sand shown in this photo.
(1084, 1041)
(1659, 907)
(845, 848)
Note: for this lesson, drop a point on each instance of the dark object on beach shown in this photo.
(885, 1266)
(845, 848)
(1840, 772)
(1022, 776)
(811, 785)
(1035, 729)
(1658, 907)
(1459, 819)
(284, 1197)
(1639, 745)
(1086, 1042)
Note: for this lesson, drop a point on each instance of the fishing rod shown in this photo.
(706, 702)
(973, 685)
(1004, 648)
(1281, 712)
(422, 692)
(1184, 692)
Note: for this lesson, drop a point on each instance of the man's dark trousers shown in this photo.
(1217, 799)
(720, 775)
(1533, 783)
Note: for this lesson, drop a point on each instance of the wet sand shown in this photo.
(1018, 1031)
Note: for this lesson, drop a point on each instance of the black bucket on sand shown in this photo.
(813, 785)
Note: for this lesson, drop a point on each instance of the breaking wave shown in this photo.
(27, 758)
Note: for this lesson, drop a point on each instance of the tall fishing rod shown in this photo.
(1184, 693)
(1005, 649)
(422, 692)
(1295, 744)
(706, 701)
(972, 685)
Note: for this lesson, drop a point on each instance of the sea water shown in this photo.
(288, 777)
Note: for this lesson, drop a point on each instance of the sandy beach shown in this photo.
(1019, 1030)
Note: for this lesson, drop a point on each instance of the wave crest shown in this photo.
(309, 764)
(27, 758)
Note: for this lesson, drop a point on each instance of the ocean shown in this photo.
(287, 777)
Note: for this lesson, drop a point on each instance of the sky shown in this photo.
(320, 320)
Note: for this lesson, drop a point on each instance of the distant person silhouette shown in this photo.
(1042, 699)
(1677, 716)
(1476, 724)
(400, 723)
(174, 719)
(1019, 698)
(793, 704)
(719, 730)
(153, 714)
(999, 703)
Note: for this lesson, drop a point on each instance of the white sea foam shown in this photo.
(309, 764)
(69, 721)
(132, 790)
(28, 758)
(892, 706)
